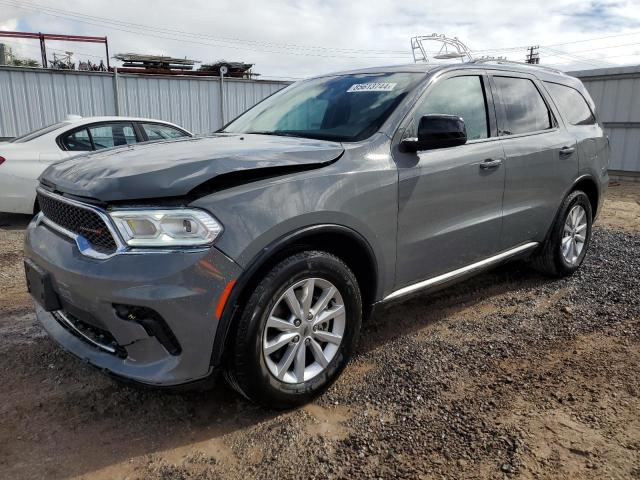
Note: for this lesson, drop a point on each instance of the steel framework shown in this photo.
(53, 36)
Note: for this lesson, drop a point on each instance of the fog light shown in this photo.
(153, 324)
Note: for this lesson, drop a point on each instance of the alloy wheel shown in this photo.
(304, 330)
(574, 234)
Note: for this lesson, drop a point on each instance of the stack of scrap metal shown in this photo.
(154, 63)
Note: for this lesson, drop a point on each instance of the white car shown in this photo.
(23, 159)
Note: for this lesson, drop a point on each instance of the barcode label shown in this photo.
(372, 87)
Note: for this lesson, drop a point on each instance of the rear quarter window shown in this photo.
(572, 105)
(38, 133)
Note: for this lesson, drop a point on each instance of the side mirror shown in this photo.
(437, 131)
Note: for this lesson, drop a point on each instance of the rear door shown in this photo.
(580, 121)
(541, 158)
(97, 136)
(450, 205)
(113, 134)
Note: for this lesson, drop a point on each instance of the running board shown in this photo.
(469, 269)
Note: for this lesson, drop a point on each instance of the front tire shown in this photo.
(569, 239)
(296, 332)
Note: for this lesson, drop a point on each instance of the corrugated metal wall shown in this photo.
(616, 92)
(33, 98)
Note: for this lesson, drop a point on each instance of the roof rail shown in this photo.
(501, 61)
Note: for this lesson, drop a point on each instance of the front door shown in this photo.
(450, 199)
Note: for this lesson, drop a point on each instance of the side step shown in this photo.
(461, 272)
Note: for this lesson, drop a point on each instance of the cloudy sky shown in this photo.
(298, 38)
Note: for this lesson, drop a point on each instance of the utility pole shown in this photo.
(533, 56)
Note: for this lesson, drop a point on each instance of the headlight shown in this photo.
(166, 228)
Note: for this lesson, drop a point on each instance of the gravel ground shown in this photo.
(509, 374)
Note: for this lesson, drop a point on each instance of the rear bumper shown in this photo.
(182, 287)
(17, 194)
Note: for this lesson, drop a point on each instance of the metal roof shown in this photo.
(633, 70)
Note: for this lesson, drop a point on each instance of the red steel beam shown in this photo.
(54, 36)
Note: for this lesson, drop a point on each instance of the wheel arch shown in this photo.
(344, 242)
(589, 186)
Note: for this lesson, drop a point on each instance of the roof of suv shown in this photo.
(541, 72)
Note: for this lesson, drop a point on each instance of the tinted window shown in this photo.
(38, 133)
(342, 108)
(308, 115)
(524, 107)
(460, 96)
(161, 132)
(78, 141)
(572, 105)
(112, 135)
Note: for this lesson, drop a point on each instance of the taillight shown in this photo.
(2, 159)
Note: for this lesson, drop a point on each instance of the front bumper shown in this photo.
(182, 287)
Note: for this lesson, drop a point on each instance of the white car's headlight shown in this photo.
(166, 228)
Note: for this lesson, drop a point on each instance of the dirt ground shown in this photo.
(509, 374)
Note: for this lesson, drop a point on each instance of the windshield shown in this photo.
(344, 108)
(38, 133)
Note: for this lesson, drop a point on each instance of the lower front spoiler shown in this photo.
(150, 375)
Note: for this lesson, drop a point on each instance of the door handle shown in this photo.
(491, 163)
(566, 151)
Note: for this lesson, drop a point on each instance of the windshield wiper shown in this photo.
(289, 133)
(277, 133)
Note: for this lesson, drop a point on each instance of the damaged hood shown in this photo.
(175, 168)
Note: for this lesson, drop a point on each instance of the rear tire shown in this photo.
(564, 250)
(280, 360)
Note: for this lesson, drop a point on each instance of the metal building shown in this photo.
(616, 92)
(31, 98)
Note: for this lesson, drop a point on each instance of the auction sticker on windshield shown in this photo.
(372, 87)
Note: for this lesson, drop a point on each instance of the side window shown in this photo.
(78, 141)
(113, 135)
(572, 105)
(161, 132)
(460, 96)
(524, 107)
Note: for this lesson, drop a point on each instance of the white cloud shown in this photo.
(277, 25)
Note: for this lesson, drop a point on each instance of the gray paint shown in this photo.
(423, 214)
(31, 98)
(185, 291)
(142, 171)
(446, 201)
(616, 92)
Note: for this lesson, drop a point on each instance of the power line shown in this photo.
(283, 48)
(614, 56)
(637, 32)
(588, 60)
(605, 48)
(226, 42)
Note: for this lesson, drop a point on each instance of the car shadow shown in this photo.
(423, 309)
(105, 423)
(14, 221)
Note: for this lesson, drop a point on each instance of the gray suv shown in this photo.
(258, 251)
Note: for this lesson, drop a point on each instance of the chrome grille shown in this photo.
(78, 220)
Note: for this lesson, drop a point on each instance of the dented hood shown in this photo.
(175, 168)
